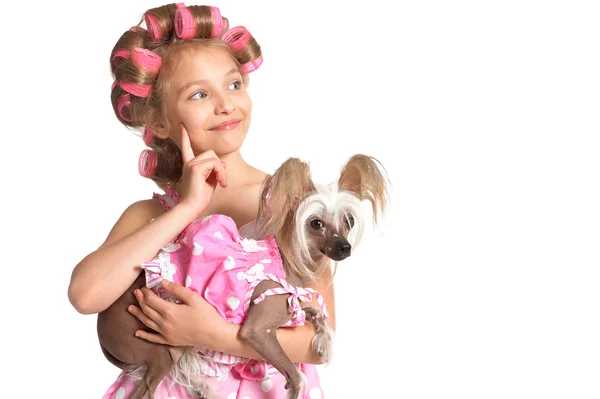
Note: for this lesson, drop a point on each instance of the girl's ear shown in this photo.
(160, 131)
(362, 177)
(158, 128)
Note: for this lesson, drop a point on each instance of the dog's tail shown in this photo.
(189, 372)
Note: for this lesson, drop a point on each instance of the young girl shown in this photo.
(182, 80)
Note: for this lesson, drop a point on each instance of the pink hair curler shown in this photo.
(252, 65)
(136, 89)
(124, 107)
(237, 37)
(114, 84)
(152, 27)
(146, 59)
(185, 23)
(217, 22)
(147, 135)
(147, 163)
(119, 56)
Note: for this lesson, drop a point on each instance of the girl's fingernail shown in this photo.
(130, 308)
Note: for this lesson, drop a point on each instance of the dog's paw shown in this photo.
(322, 344)
(294, 389)
(315, 317)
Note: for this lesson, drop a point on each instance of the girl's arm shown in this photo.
(105, 274)
(102, 276)
(196, 323)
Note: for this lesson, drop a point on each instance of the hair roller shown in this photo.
(159, 22)
(147, 163)
(245, 48)
(153, 28)
(225, 24)
(237, 37)
(124, 107)
(217, 22)
(147, 135)
(118, 57)
(251, 66)
(185, 23)
(136, 89)
(146, 59)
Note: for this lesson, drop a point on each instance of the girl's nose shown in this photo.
(224, 106)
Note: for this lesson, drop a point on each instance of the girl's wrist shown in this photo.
(224, 337)
(186, 211)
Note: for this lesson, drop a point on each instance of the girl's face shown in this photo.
(207, 96)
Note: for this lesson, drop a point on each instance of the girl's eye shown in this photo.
(235, 85)
(198, 96)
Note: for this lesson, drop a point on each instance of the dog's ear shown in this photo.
(362, 177)
(283, 192)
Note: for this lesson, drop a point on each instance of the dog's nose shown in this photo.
(343, 248)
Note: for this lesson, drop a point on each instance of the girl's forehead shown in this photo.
(201, 63)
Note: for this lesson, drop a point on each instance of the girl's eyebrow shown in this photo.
(200, 81)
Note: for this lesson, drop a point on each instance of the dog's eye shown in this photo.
(350, 220)
(317, 224)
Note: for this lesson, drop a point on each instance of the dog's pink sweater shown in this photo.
(211, 258)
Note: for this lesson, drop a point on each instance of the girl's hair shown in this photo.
(142, 61)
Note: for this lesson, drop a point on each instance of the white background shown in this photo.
(483, 279)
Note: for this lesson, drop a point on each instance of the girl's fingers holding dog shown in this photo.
(180, 292)
(148, 322)
(145, 296)
(156, 307)
(152, 337)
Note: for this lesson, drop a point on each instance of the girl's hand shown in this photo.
(194, 322)
(200, 176)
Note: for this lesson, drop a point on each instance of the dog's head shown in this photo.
(313, 222)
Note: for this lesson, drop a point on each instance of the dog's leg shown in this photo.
(116, 332)
(158, 366)
(259, 330)
(322, 341)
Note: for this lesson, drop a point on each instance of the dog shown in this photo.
(304, 226)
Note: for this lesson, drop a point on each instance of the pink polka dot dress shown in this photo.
(211, 258)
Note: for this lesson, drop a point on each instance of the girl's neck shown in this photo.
(238, 171)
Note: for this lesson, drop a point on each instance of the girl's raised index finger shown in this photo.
(187, 154)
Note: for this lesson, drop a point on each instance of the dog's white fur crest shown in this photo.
(327, 200)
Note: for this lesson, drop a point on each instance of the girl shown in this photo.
(182, 80)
